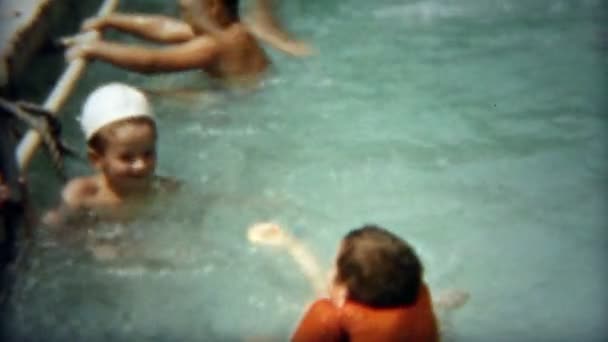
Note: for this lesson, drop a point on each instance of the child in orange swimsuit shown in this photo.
(377, 293)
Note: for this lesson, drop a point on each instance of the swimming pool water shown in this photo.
(474, 129)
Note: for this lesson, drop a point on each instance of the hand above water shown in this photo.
(451, 299)
(94, 24)
(80, 45)
(272, 234)
(268, 233)
(81, 38)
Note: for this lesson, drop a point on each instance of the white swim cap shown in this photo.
(110, 103)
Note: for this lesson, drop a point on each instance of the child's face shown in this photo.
(129, 159)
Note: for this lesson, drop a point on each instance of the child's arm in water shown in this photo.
(197, 53)
(157, 28)
(73, 198)
(272, 234)
(264, 24)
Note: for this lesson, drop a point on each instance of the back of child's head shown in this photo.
(109, 107)
(198, 13)
(378, 268)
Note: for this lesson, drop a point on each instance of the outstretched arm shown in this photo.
(157, 28)
(308, 265)
(272, 234)
(197, 53)
(264, 24)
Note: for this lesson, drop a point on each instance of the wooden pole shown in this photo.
(56, 99)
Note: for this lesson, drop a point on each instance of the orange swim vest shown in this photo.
(354, 322)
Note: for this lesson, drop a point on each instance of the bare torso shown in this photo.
(240, 57)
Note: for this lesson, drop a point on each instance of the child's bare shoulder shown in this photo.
(80, 190)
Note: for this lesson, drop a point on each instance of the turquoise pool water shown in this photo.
(474, 129)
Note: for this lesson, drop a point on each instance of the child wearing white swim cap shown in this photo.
(110, 104)
(120, 131)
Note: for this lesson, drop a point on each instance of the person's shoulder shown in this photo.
(79, 190)
(240, 32)
(324, 308)
(320, 323)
